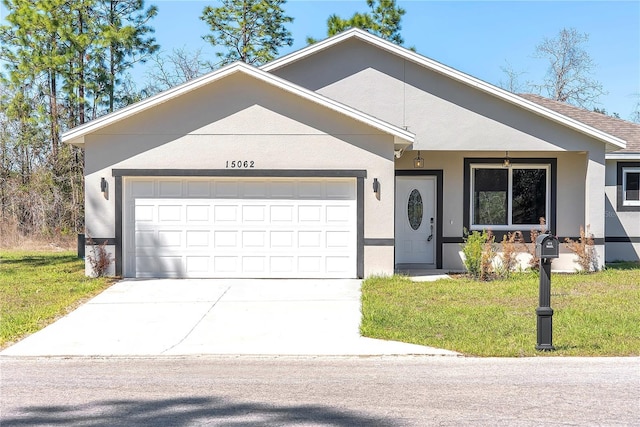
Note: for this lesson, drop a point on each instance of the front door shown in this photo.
(416, 220)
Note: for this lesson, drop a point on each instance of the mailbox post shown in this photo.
(547, 248)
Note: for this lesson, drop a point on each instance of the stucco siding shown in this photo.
(622, 228)
(570, 196)
(443, 113)
(253, 122)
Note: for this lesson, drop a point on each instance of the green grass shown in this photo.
(38, 287)
(594, 314)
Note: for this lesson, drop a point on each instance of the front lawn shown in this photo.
(594, 314)
(38, 287)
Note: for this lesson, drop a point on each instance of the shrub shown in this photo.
(509, 257)
(99, 259)
(479, 253)
(534, 261)
(584, 249)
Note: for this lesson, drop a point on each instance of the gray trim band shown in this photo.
(379, 242)
(119, 242)
(498, 239)
(97, 241)
(360, 227)
(240, 173)
(622, 239)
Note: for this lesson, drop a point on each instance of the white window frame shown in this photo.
(510, 225)
(625, 172)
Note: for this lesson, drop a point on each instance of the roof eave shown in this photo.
(76, 135)
(622, 156)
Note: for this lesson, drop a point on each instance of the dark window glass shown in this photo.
(529, 196)
(632, 190)
(414, 209)
(491, 188)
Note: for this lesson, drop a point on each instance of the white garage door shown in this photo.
(240, 228)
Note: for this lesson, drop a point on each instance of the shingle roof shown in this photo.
(625, 130)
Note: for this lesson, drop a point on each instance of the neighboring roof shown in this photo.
(613, 142)
(625, 130)
(76, 135)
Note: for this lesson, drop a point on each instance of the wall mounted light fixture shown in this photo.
(418, 162)
(103, 185)
(506, 163)
(376, 185)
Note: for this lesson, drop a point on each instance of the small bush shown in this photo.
(99, 259)
(585, 250)
(509, 257)
(534, 261)
(479, 253)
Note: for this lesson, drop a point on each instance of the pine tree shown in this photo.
(63, 59)
(383, 20)
(252, 31)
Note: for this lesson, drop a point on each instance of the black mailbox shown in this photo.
(547, 246)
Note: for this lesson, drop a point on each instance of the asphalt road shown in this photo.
(353, 391)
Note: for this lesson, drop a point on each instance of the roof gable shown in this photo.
(612, 142)
(76, 135)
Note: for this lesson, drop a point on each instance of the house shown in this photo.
(348, 158)
(622, 182)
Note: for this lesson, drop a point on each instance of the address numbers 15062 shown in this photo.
(240, 164)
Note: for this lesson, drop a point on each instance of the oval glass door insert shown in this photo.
(414, 209)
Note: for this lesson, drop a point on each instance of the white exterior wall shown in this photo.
(241, 119)
(453, 121)
(570, 208)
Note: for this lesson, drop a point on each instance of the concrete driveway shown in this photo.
(225, 317)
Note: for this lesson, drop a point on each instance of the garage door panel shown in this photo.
(283, 190)
(281, 214)
(309, 213)
(282, 239)
(226, 189)
(226, 239)
(310, 190)
(282, 264)
(198, 213)
(169, 213)
(338, 239)
(254, 189)
(197, 265)
(254, 213)
(226, 264)
(170, 189)
(168, 266)
(225, 213)
(198, 189)
(144, 213)
(278, 228)
(170, 239)
(342, 214)
(254, 239)
(142, 188)
(198, 238)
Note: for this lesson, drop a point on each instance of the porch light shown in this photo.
(418, 162)
(376, 185)
(103, 185)
(506, 163)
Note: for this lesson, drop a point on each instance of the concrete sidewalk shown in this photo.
(225, 316)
